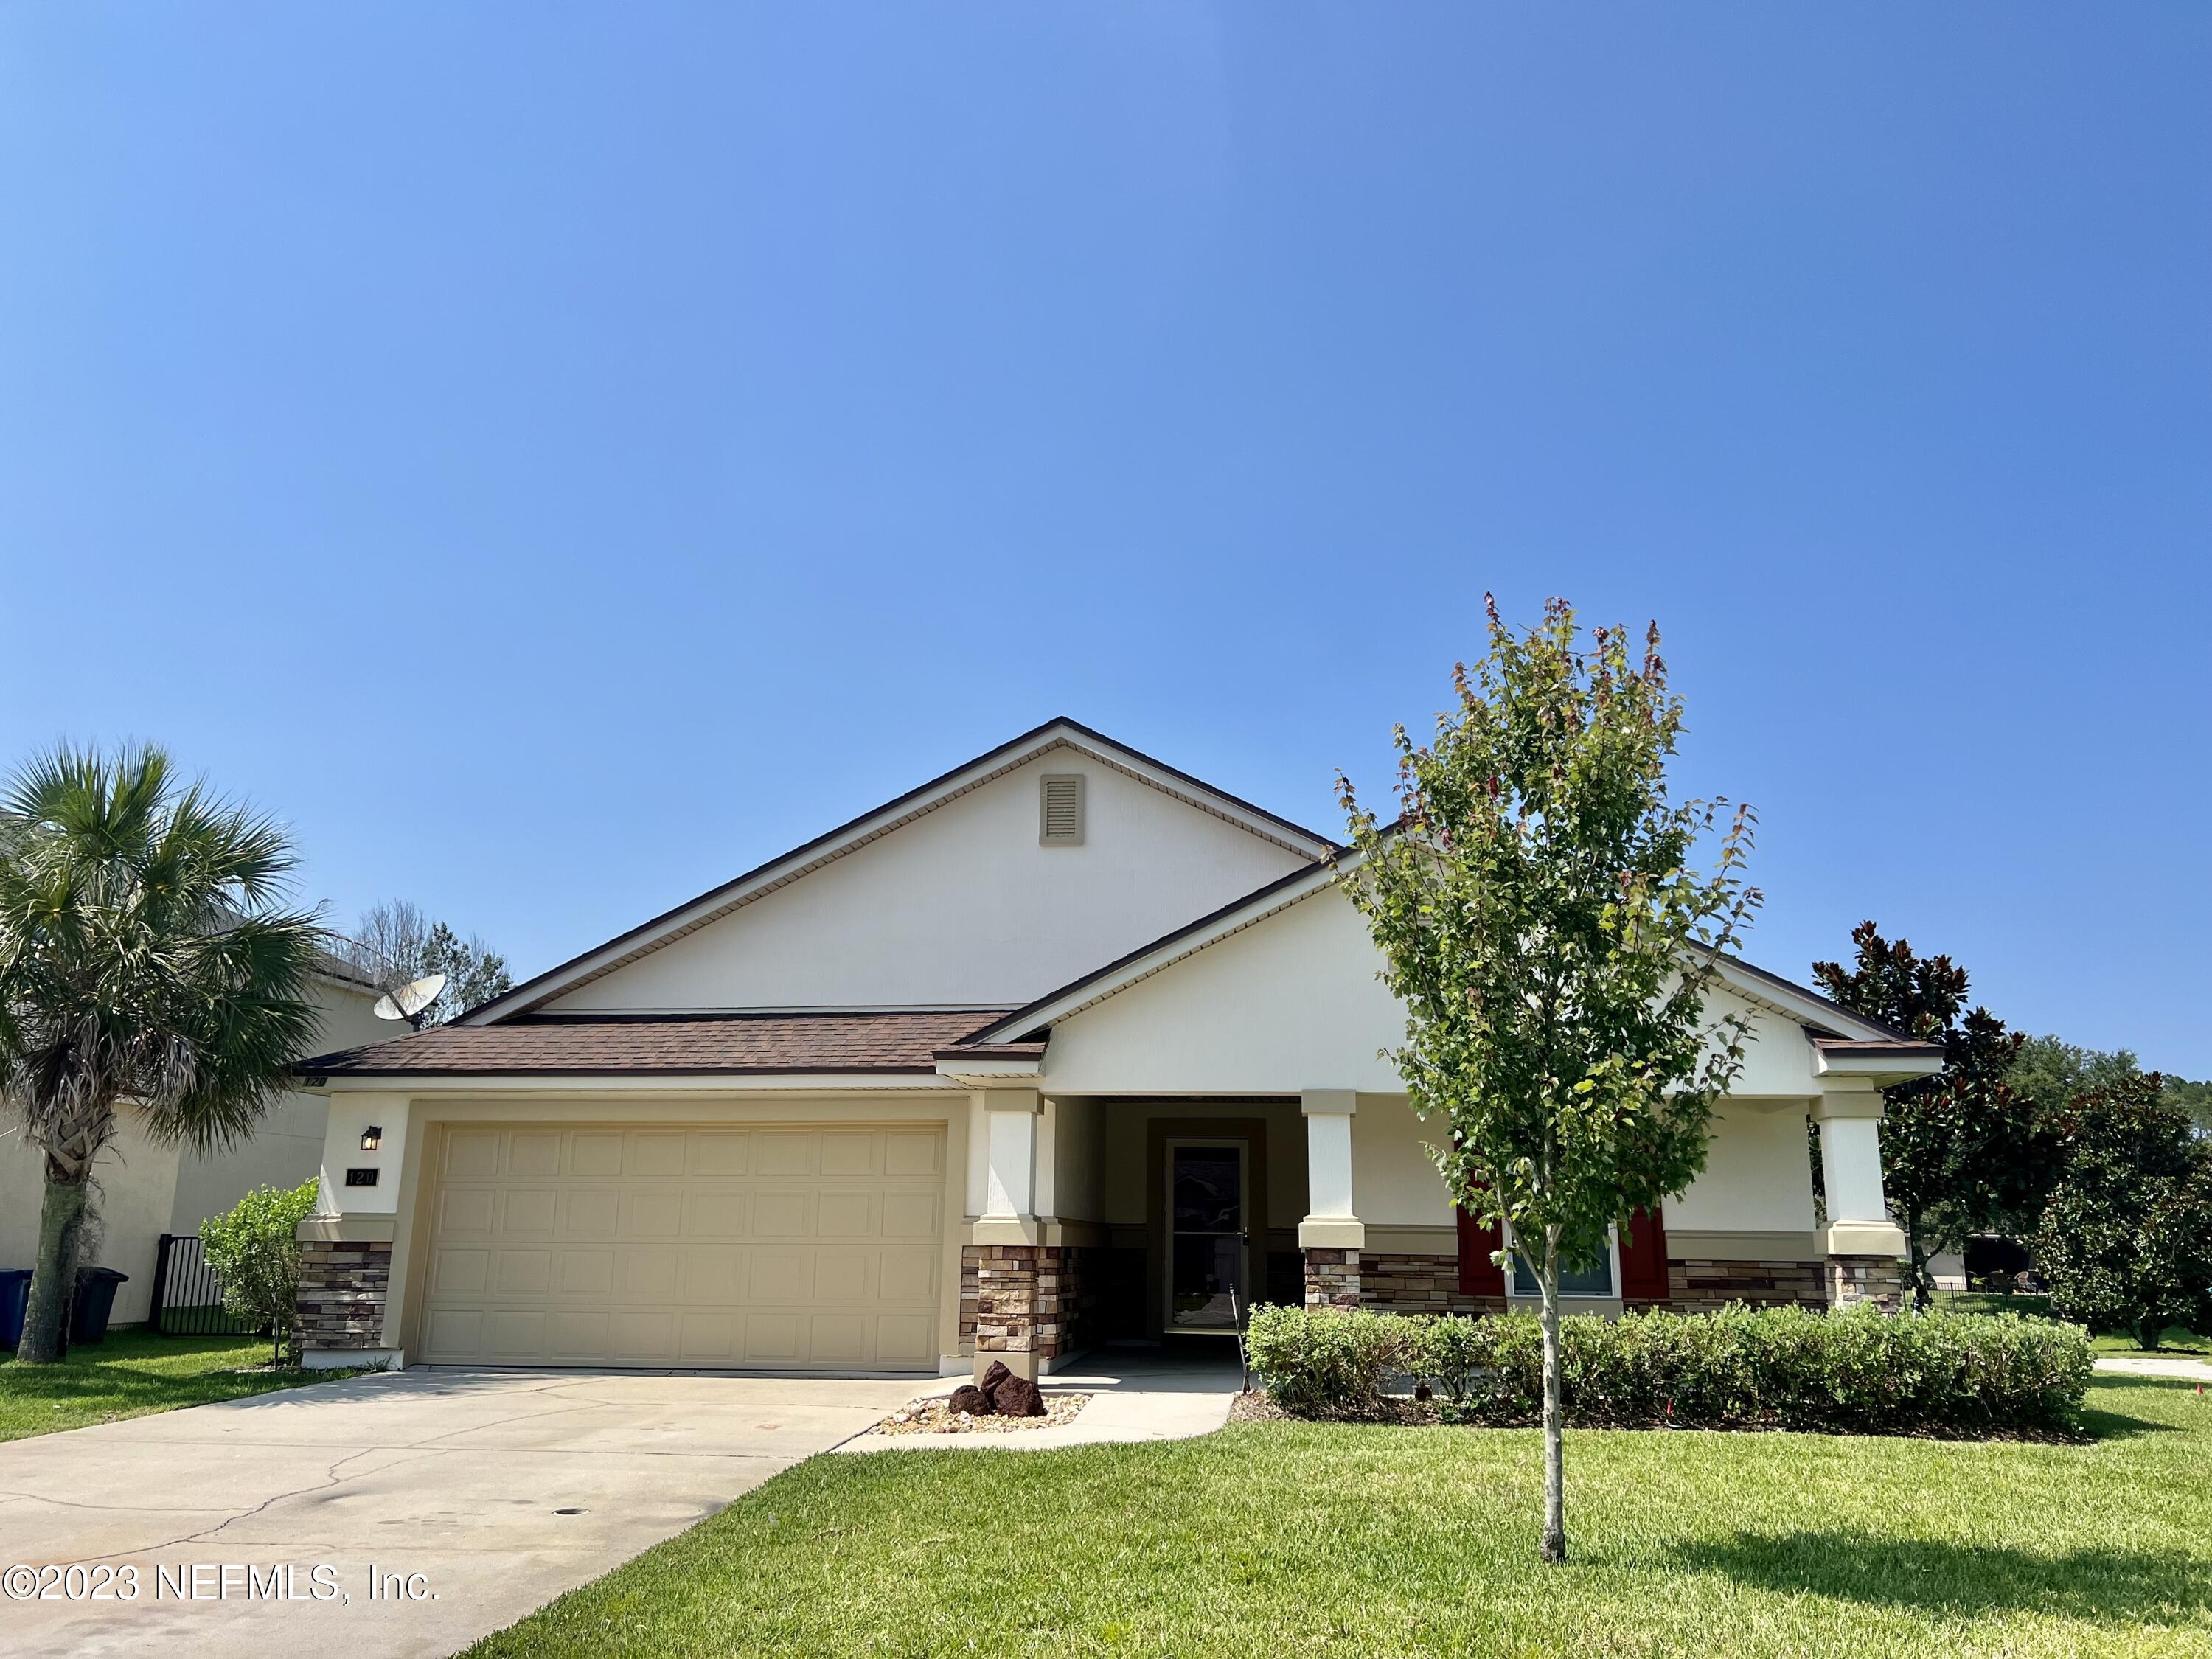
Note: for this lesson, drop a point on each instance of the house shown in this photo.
(144, 1188)
(1062, 1046)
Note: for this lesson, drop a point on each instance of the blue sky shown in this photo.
(556, 456)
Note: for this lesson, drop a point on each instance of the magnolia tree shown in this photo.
(1962, 1151)
(1540, 917)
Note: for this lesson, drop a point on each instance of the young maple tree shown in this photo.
(1540, 917)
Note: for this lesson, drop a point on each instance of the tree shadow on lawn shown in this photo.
(2113, 1585)
(2101, 1424)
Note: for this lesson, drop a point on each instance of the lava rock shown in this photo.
(1017, 1396)
(993, 1374)
(970, 1398)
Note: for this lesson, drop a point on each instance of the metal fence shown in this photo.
(187, 1297)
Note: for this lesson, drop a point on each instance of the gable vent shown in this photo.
(1060, 811)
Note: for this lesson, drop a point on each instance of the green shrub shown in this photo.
(1329, 1362)
(2126, 1240)
(1856, 1370)
(253, 1250)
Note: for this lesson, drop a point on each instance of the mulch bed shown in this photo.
(1257, 1407)
(935, 1417)
(1399, 1411)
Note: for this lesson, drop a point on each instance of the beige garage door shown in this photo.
(788, 1249)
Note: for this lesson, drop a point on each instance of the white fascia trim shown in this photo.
(1883, 1071)
(990, 1070)
(1190, 794)
(1780, 996)
(782, 872)
(426, 1085)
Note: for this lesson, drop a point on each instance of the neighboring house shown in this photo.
(146, 1188)
(1064, 1047)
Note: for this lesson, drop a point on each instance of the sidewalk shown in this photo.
(2195, 1370)
(1137, 1394)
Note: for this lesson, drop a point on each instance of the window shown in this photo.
(1060, 811)
(1595, 1278)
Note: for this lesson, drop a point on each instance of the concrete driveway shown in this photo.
(473, 1496)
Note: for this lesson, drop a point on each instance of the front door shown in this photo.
(1209, 1247)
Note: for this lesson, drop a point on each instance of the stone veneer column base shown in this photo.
(343, 1288)
(1331, 1278)
(1873, 1279)
(1014, 1301)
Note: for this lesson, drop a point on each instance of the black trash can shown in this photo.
(95, 1300)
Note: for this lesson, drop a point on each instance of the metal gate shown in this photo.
(187, 1295)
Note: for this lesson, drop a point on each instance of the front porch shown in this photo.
(1156, 1221)
(1160, 1219)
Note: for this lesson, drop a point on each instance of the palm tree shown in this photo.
(145, 963)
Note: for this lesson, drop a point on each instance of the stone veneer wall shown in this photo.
(1414, 1284)
(343, 1286)
(1697, 1285)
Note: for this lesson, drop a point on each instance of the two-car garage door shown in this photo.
(774, 1248)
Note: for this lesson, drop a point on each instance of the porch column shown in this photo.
(1861, 1244)
(1331, 1235)
(343, 1308)
(1003, 1260)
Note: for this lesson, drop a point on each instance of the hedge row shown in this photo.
(1855, 1371)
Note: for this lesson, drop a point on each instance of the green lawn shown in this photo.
(131, 1374)
(2178, 1339)
(1275, 1539)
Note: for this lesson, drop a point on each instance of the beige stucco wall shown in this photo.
(1293, 1003)
(1393, 1184)
(1079, 1186)
(137, 1183)
(1758, 1173)
(1287, 1005)
(961, 907)
(1758, 1178)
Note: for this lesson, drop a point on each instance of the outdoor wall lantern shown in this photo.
(371, 1138)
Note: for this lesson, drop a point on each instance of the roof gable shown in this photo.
(1184, 846)
(1281, 991)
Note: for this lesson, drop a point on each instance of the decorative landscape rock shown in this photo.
(970, 1398)
(1017, 1396)
(936, 1417)
(993, 1374)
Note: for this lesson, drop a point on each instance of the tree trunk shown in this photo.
(53, 1279)
(1555, 1449)
(1916, 1264)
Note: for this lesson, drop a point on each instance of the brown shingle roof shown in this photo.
(699, 1044)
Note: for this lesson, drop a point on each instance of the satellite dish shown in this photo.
(411, 1001)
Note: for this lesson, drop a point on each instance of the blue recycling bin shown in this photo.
(14, 1294)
